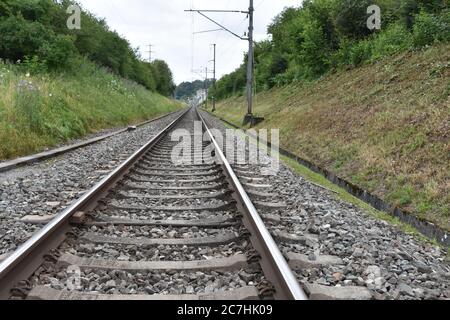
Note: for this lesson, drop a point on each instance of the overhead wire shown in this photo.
(222, 22)
(259, 5)
(255, 89)
(233, 43)
(117, 13)
(220, 34)
(227, 49)
(192, 39)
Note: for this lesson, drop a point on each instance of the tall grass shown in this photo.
(37, 111)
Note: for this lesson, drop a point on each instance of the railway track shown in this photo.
(154, 230)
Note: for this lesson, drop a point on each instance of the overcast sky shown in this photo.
(165, 25)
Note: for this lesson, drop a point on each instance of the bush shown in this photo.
(343, 56)
(351, 18)
(315, 51)
(35, 31)
(278, 66)
(394, 39)
(58, 53)
(309, 40)
(34, 65)
(429, 28)
(361, 52)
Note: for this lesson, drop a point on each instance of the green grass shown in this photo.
(382, 126)
(341, 194)
(43, 110)
(402, 196)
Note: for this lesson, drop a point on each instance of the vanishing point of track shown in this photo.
(184, 222)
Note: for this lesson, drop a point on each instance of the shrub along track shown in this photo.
(153, 230)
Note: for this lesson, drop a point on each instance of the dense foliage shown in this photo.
(324, 35)
(35, 33)
(188, 89)
(39, 110)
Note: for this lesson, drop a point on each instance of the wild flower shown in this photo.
(26, 85)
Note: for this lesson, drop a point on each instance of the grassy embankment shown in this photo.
(384, 126)
(39, 111)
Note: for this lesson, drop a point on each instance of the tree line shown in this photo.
(188, 89)
(325, 35)
(35, 34)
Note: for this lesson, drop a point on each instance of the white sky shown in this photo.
(164, 24)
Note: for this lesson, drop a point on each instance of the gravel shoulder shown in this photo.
(371, 253)
(47, 187)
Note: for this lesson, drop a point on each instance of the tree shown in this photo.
(20, 39)
(165, 84)
(36, 31)
(351, 18)
(189, 89)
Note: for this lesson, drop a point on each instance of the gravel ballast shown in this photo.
(48, 187)
(150, 232)
(334, 244)
(153, 253)
(158, 215)
(171, 282)
(375, 254)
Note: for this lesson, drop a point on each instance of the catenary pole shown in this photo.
(250, 63)
(214, 80)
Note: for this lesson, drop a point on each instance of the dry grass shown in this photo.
(384, 126)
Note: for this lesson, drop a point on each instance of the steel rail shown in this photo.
(21, 264)
(274, 265)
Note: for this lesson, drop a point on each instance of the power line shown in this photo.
(259, 5)
(250, 63)
(227, 44)
(192, 40)
(232, 44)
(217, 23)
(219, 34)
(206, 31)
(222, 21)
(224, 52)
